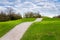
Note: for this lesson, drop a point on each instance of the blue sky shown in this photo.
(45, 7)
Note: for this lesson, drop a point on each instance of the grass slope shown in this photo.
(48, 29)
(6, 26)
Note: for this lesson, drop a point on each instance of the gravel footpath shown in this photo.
(17, 32)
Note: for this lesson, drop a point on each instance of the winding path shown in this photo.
(17, 32)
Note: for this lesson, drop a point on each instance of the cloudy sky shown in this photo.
(45, 7)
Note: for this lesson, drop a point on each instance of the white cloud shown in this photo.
(43, 6)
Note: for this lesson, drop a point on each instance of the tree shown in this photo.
(12, 15)
(3, 16)
(32, 15)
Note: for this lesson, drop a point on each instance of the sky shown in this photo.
(44, 7)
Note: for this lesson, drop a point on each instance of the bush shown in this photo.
(32, 15)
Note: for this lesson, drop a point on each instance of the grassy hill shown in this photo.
(48, 29)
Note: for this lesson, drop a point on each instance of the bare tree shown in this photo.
(13, 15)
(32, 15)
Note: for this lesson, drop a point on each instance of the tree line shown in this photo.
(11, 15)
(57, 16)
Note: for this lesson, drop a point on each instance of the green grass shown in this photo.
(48, 29)
(28, 19)
(7, 26)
